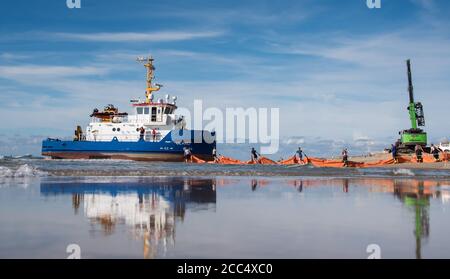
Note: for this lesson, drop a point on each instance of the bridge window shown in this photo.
(139, 110)
(146, 110)
(153, 114)
(168, 110)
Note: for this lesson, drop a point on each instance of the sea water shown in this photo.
(123, 209)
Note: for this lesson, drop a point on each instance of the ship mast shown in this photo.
(148, 64)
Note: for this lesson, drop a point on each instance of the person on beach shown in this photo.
(435, 152)
(345, 157)
(141, 133)
(418, 150)
(214, 154)
(154, 134)
(254, 155)
(187, 154)
(299, 154)
(394, 153)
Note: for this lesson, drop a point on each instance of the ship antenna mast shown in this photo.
(148, 64)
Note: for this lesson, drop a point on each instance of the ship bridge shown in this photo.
(155, 113)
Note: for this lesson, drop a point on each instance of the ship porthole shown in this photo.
(114, 129)
(118, 129)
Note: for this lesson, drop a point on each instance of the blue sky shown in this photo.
(336, 69)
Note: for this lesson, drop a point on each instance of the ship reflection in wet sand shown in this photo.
(224, 217)
(150, 207)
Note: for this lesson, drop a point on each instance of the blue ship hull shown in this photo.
(201, 190)
(165, 150)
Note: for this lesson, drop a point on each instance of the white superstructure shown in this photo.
(151, 119)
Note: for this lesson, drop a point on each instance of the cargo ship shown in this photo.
(152, 132)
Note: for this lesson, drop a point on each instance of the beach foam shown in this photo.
(23, 171)
(407, 172)
(6, 172)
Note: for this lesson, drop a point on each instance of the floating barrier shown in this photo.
(324, 163)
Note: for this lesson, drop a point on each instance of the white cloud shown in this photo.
(246, 14)
(382, 51)
(12, 56)
(356, 90)
(49, 72)
(317, 104)
(163, 36)
(428, 5)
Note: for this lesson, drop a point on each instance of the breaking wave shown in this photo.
(406, 172)
(22, 171)
(6, 172)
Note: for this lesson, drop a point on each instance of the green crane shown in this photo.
(413, 136)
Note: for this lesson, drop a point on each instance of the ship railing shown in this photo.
(116, 119)
(149, 137)
(147, 119)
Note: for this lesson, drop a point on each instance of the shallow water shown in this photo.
(224, 217)
(39, 167)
